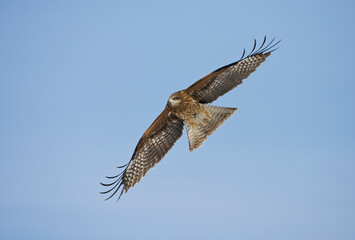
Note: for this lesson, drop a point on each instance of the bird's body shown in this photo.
(188, 107)
(201, 120)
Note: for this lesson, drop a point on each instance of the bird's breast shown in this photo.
(188, 108)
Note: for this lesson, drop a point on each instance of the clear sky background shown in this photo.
(80, 81)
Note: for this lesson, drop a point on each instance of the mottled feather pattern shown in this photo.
(203, 125)
(188, 107)
(151, 148)
(230, 78)
(224, 79)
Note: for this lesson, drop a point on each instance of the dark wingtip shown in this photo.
(110, 184)
(264, 49)
(104, 184)
(119, 186)
(116, 184)
(261, 50)
(273, 50)
(243, 54)
(120, 195)
(269, 48)
(122, 166)
(252, 51)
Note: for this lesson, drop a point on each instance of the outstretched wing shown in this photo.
(156, 141)
(224, 79)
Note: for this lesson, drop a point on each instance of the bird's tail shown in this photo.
(205, 122)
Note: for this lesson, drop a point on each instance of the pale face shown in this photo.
(174, 100)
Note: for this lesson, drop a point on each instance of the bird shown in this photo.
(190, 108)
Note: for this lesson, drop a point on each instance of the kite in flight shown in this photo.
(188, 107)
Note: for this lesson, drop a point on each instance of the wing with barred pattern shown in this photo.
(155, 143)
(224, 79)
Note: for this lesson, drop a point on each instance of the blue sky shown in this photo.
(80, 81)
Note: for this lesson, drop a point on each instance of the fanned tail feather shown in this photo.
(205, 123)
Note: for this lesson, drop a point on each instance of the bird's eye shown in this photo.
(175, 98)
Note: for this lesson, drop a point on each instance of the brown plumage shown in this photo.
(188, 107)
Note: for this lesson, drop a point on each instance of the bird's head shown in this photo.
(174, 100)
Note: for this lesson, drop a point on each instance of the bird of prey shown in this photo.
(188, 107)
